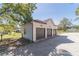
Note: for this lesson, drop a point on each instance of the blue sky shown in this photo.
(56, 11)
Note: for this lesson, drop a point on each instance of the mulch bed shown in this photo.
(15, 42)
(8, 45)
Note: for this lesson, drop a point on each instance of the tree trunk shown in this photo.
(1, 37)
(22, 31)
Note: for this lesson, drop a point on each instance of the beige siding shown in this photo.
(28, 31)
(39, 25)
(50, 24)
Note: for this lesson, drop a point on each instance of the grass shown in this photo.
(12, 39)
(12, 35)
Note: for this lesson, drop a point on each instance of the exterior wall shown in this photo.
(39, 25)
(34, 33)
(45, 32)
(52, 32)
(50, 25)
(54, 27)
(28, 31)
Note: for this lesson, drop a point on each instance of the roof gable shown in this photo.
(49, 21)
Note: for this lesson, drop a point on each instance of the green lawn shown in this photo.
(13, 35)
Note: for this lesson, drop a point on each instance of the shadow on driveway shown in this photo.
(42, 48)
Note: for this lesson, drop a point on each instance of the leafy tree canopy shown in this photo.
(18, 12)
(64, 23)
(77, 11)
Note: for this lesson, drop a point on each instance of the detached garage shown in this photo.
(36, 30)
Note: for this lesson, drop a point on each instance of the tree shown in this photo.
(77, 13)
(76, 27)
(6, 26)
(64, 24)
(19, 13)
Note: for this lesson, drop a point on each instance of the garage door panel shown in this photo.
(54, 32)
(40, 33)
(49, 32)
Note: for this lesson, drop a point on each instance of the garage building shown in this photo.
(38, 30)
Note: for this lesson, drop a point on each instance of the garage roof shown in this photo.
(45, 21)
(39, 21)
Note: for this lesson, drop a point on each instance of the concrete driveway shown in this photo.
(72, 47)
(66, 44)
